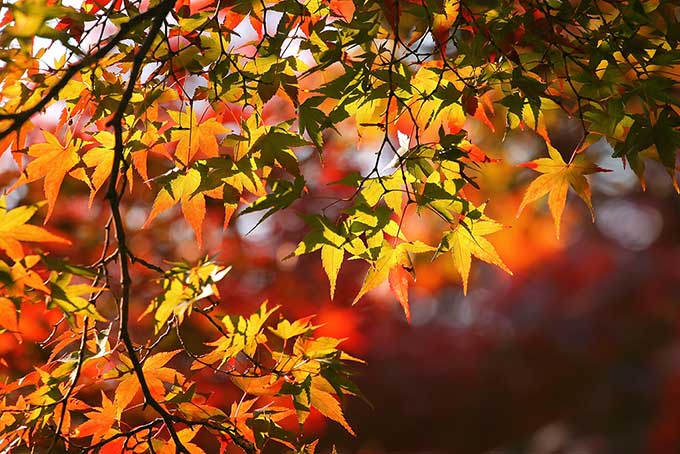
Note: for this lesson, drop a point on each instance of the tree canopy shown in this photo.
(241, 108)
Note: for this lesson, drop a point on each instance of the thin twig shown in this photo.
(17, 119)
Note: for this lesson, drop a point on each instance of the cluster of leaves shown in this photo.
(230, 105)
(90, 393)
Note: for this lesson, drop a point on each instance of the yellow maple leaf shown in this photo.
(390, 264)
(21, 275)
(467, 240)
(555, 181)
(328, 406)
(70, 297)
(101, 158)
(331, 258)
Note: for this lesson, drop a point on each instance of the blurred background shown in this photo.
(577, 353)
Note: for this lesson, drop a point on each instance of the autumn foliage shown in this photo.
(174, 169)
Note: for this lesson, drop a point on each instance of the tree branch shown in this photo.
(17, 119)
(159, 14)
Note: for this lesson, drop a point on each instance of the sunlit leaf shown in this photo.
(467, 240)
(14, 229)
(52, 161)
(555, 180)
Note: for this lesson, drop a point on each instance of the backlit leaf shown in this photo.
(194, 137)
(14, 229)
(555, 180)
(331, 258)
(467, 240)
(52, 161)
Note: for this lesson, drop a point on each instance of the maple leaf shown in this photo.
(555, 181)
(282, 195)
(442, 24)
(286, 330)
(155, 374)
(101, 158)
(390, 264)
(8, 317)
(21, 275)
(16, 143)
(332, 246)
(243, 335)
(185, 436)
(182, 189)
(240, 414)
(398, 279)
(329, 407)
(467, 240)
(317, 392)
(100, 422)
(331, 259)
(69, 297)
(53, 160)
(267, 385)
(14, 230)
(181, 290)
(150, 138)
(343, 8)
(195, 138)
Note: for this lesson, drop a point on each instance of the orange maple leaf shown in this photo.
(100, 422)
(150, 138)
(185, 436)
(8, 315)
(14, 230)
(182, 189)
(398, 278)
(16, 142)
(343, 8)
(155, 374)
(53, 160)
(196, 137)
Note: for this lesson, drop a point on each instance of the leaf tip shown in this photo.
(529, 165)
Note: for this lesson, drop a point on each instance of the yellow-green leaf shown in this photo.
(555, 181)
(467, 240)
(331, 258)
